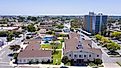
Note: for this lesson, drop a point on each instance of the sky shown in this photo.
(59, 7)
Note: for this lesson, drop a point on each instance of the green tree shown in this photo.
(98, 37)
(14, 47)
(3, 33)
(21, 19)
(76, 23)
(116, 34)
(60, 26)
(10, 36)
(50, 32)
(65, 59)
(113, 47)
(31, 28)
(104, 40)
(98, 61)
(32, 18)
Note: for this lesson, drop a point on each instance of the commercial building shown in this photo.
(94, 23)
(81, 50)
(33, 53)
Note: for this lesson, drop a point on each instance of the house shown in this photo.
(43, 31)
(67, 27)
(33, 53)
(80, 50)
(9, 28)
(46, 25)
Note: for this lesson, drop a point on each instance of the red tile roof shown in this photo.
(72, 43)
(34, 53)
(33, 50)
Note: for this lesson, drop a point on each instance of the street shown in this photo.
(4, 54)
(109, 62)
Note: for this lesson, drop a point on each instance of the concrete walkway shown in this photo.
(45, 66)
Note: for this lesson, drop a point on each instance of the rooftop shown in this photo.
(74, 43)
(33, 50)
(34, 53)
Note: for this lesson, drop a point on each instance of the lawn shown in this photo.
(57, 58)
(59, 46)
(50, 46)
(46, 46)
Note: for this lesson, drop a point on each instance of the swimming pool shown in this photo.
(47, 38)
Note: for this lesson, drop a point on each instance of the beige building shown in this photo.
(80, 50)
(33, 53)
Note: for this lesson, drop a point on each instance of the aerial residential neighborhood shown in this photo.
(60, 34)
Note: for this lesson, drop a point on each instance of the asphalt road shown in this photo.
(4, 55)
(4, 58)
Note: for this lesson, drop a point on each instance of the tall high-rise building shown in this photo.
(94, 23)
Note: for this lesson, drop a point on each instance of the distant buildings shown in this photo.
(8, 28)
(94, 23)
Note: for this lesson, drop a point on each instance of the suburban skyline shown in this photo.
(60, 7)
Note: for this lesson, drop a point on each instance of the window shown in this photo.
(84, 55)
(97, 55)
(80, 55)
(27, 59)
(70, 55)
(24, 60)
(20, 60)
(75, 55)
(89, 55)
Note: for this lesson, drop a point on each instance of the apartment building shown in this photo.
(94, 23)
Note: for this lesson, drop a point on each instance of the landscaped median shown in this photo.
(110, 45)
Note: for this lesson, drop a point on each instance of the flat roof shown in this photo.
(8, 28)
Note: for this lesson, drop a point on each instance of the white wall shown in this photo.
(40, 59)
(82, 53)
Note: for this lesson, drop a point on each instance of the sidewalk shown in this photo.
(45, 66)
(111, 65)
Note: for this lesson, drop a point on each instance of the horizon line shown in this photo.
(52, 14)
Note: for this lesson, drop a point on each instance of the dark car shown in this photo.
(63, 67)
